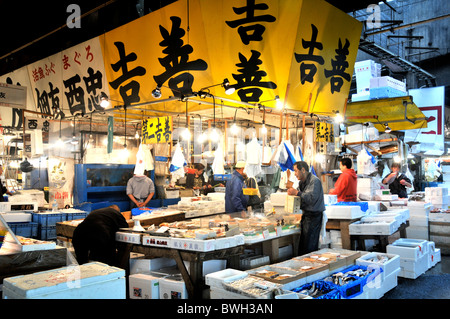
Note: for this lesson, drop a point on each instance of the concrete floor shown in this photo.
(433, 284)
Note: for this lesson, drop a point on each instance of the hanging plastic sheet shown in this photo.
(253, 163)
(286, 157)
(139, 168)
(219, 162)
(177, 164)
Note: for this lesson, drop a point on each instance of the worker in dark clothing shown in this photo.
(3, 188)
(312, 204)
(397, 181)
(94, 239)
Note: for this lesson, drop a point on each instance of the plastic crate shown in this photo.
(356, 288)
(28, 230)
(330, 290)
(73, 216)
(47, 233)
(48, 219)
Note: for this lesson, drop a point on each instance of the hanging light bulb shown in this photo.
(187, 134)
(104, 101)
(136, 136)
(214, 135)
(387, 129)
(60, 142)
(338, 118)
(202, 138)
(279, 104)
(234, 129)
(264, 129)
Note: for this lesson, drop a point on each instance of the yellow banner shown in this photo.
(324, 132)
(157, 130)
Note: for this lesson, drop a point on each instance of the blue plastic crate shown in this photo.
(330, 290)
(72, 216)
(29, 230)
(363, 205)
(356, 287)
(48, 219)
(47, 233)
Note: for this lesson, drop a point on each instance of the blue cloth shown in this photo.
(235, 200)
(290, 161)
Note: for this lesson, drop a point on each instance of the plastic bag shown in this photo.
(411, 178)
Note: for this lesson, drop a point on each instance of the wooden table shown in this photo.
(342, 225)
(384, 239)
(194, 278)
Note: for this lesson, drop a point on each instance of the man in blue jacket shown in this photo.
(235, 200)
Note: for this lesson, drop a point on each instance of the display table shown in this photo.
(382, 238)
(342, 225)
(194, 278)
(66, 229)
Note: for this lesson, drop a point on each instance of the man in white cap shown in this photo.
(235, 200)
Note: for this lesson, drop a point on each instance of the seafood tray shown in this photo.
(216, 279)
(388, 262)
(319, 290)
(332, 260)
(351, 281)
(253, 287)
(313, 271)
(279, 276)
(349, 255)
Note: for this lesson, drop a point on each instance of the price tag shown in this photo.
(265, 233)
(278, 230)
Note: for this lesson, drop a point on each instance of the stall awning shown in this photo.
(399, 113)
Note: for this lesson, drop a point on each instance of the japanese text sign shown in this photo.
(157, 130)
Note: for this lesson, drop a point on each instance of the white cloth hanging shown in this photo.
(253, 162)
(148, 158)
(219, 162)
(139, 168)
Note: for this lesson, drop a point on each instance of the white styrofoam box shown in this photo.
(387, 197)
(404, 212)
(380, 192)
(209, 266)
(330, 199)
(292, 204)
(439, 200)
(387, 81)
(172, 287)
(144, 286)
(368, 191)
(368, 182)
(219, 293)
(372, 259)
(389, 282)
(146, 265)
(411, 268)
(278, 199)
(157, 241)
(397, 219)
(374, 207)
(364, 71)
(435, 257)
(343, 212)
(361, 96)
(172, 193)
(436, 191)
(408, 248)
(193, 244)
(372, 228)
(16, 217)
(93, 280)
(125, 237)
(216, 279)
(353, 128)
(439, 217)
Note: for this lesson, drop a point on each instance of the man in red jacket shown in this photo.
(345, 187)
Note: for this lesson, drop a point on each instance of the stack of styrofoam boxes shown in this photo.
(389, 274)
(414, 255)
(89, 281)
(365, 70)
(278, 201)
(216, 280)
(358, 133)
(344, 211)
(418, 220)
(440, 230)
(336, 239)
(366, 187)
(386, 87)
(437, 196)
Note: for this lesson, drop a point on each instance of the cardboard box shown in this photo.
(292, 204)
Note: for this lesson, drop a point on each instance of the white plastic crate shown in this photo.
(435, 257)
(89, 281)
(408, 248)
(411, 268)
(16, 217)
(372, 259)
